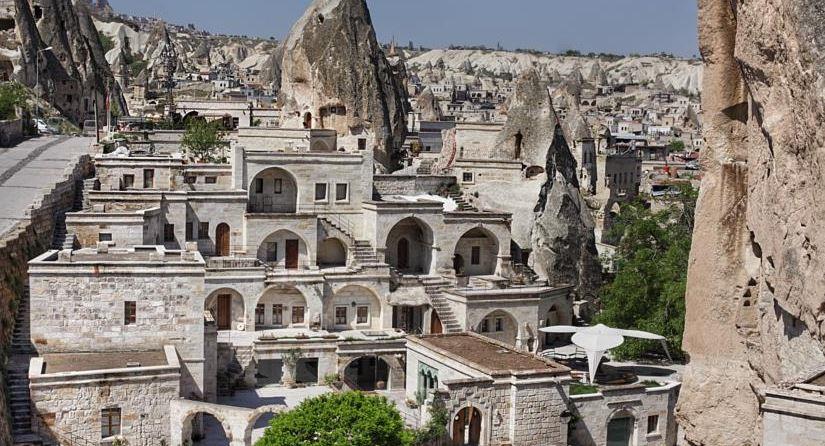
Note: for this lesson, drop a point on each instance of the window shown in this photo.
(279, 185)
(129, 312)
(340, 315)
(277, 315)
(211, 180)
(362, 144)
(203, 230)
(148, 178)
(499, 324)
(259, 185)
(297, 315)
(128, 181)
(652, 424)
(428, 148)
(168, 233)
(320, 191)
(189, 231)
(271, 252)
(190, 179)
(475, 255)
(110, 422)
(467, 177)
(104, 237)
(260, 309)
(341, 192)
(485, 326)
(362, 315)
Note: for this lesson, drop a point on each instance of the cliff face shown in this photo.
(332, 61)
(755, 281)
(75, 68)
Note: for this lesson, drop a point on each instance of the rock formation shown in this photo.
(332, 61)
(755, 281)
(75, 68)
(428, 105)
(549, 214)
(563, 239)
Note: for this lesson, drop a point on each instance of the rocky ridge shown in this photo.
(755, 282)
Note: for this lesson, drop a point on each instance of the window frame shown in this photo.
(130, 312)
(475, 255)
(190, 179)
(130, 184)
(101, 237)
(189, 234)
(485, 325)
(278, 185)
(464, 179)
(210, 180)
(346, 193)
(293, 313)
(108, 416)
(655, 418)
(366, 319)
(168, 233)
(259, 185)
(260, 314)
(203, 230)
(338, 318)
(149, 178)
(279, 321)
(326, 193)
(499, 324)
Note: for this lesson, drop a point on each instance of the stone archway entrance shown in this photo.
(222, 240)
(367, 373)
(467, 427)
(620, 430)
(436, 327)
(409, 246)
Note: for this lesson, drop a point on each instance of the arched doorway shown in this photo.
(273, 190)
(353, 307)
(222, 240)
(308, 120)
(551, 318)
(204, 429)
(284, 249)
(480, 247)
(620, 429)
(409, 246)
(467, 427)
(402, 253)
(367, 373)
(458, 264)
(282, 306)
(499, 325)
(436, 327)
(332, 253)
(227, 308)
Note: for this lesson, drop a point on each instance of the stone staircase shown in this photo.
(433, 287)
(363, 252)
(17, 376)
(461, 201)
(62, 239)
(81, 196)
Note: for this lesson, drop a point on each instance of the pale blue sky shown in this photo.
(617, 26)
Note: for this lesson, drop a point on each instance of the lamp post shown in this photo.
(37, 75)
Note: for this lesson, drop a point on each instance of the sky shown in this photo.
(610, 26)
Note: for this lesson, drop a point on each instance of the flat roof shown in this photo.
(487, 354)
(85, 362)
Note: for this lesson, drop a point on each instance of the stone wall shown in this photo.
(11, 132)
(594, 412)
(411, 184)
(25, 241)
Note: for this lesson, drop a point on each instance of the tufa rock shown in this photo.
(428, 105)
(332, 61)
(755, 282)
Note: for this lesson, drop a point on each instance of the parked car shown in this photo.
(89, 127)
(44, 128)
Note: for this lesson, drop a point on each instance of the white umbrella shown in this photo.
(596, 340)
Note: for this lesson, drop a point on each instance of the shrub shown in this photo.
(582, 389)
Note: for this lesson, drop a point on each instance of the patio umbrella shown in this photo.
(598, 339)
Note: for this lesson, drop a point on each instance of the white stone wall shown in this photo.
(793, 417)
(72, 405)
(596, 410)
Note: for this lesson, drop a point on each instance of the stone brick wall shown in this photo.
(71, 406)
(411, 184)
(27, 240)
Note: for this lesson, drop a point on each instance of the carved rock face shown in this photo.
(755, 282)
(332, 61)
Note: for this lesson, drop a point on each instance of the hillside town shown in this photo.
(204, 235)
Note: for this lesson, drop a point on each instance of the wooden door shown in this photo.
(403, 254)
(435, 324)
(292, 254)
(467, 427)
(222, 240)
(224, 311)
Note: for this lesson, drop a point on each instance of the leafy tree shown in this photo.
(339, 419)
(677, 145)
(12, 96)
(648, 291)
(106, 42)
(436, 428)
(202, 139)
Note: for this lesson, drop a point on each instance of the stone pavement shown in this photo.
(28, 169)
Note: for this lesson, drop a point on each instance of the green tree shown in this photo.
(651, 260)
(203, 139)
(339, 419)
(106, 42)
(677, 145)
(12, 96)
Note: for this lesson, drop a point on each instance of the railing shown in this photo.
(343, 224)
(232, 262)
(264, 205)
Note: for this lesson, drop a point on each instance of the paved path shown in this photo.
(30, 168)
